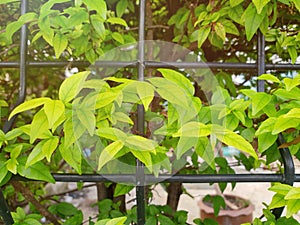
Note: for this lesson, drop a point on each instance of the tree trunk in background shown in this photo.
(174, 191)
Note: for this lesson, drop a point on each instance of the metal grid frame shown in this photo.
(288, 177)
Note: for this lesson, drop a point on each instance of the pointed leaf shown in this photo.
(259, 101)
(49, 147)
(252, 21)
(260, 4)
(140, 143)
(54, 109)
(99, 6)
(88, 120)
(72, 156)
(39, 125)
(144, 157)
(179, 79)
(145, 92)
(277, 201)
(37, 171)
(60, 43)
(28, 105)
(269, 77)
(231, 138)
(203, 33)
(36, 154)
(109, 152)
(72, 86)
(193, 129)
(294, 193)
(283, 124)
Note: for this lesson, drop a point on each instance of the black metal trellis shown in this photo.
(139, 179)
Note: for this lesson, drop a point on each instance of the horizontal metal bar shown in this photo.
(188, 178)
(151, 64)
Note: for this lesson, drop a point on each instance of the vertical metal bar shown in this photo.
(4, 211)
(23, 58)
(261, 66)
(288, 164)
(140, 176)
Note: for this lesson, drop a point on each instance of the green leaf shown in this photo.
(87, 119)
(99, 6)
(220, 30)
(113, 134)
(205, 151)
(11, 165)
(60, 43)
(283, 124)
(122, 117)
(234, 3)
(294, 193)
(8, 1)
(179, 79)
(39, 125)
(282, 189)
(260, 4)
(122, 189)
(36, 154)
(145, 92)
(293, 113)
(54, 109)
(49, 147)
(140, 143)
(252, 21)
(72, 86)
(144, 157)
(291, 83)
(121, 7)
(115, 20)
(37, 171)
(269, 77)
(3, 171)
(265, 141)
(114, 221)
(259, 101)
(12, 28)
(185, 144)
(109, 152)
(231, 138)
(203, 33)
(73, 130)
(118, 37)
(105, 99)
(72, 155)
(193, 129)
(292, 50)
(98, 25)
(277, 201)
(293, 206)
(28, 105)
(230, 27)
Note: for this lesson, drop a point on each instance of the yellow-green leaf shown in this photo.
(39, 125)
(145, 92)
(60, 43)
(72, 86)
(109, 152)
(260, 4)
(54, 109)
(193, 129)
(49, 147)
(231, 138)
(140, 143)
(28, 105)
